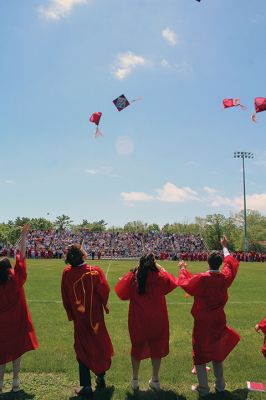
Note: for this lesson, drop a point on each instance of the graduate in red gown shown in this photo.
(145, 287)
(212, 339)
(262, 326)
(85, 293)
(17, 334)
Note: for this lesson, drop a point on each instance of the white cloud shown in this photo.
(91, 171)
(170, 193)
(257, 202)
(170, 36)
(7, 181)
(102, 170)
(135, 196)
(124, 146)
(209, 190)
(184, 68)
(254, 202)
(57, 9)
(125, 64)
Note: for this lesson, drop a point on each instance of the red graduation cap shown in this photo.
(227, 103)
(260, 105)
(256, 386)
(95, 118)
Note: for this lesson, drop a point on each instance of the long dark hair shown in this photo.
(5, 268)
(146, 263)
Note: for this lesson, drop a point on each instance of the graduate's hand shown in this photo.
(182, 264)
(257, 328)
(224, 241)
(25, 229)
(160, 267)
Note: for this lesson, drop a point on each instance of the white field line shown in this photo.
(171, 303)
(107, 272)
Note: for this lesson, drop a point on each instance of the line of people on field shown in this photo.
(85, 294)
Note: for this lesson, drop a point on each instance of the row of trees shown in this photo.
(211, 228)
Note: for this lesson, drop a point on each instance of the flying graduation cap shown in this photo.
(122, 102)
(227, 103)
(260, 105)
(95, 118)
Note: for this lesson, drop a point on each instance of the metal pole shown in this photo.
(245, 207)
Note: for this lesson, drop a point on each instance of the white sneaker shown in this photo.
(15, 385)
(155, 385)
(135, 384)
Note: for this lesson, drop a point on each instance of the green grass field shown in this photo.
(51, 372)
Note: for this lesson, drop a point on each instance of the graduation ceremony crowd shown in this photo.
(165, 246)
(85, 293)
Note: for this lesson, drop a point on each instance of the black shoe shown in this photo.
(222, 393)
(86, 393)
(100, 384)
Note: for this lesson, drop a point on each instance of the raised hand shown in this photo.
(224, 241)
(182, 264)
(25, 229)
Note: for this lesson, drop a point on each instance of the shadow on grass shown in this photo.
(237, 394)
(153, 395)
(20, 395)
(104, 394)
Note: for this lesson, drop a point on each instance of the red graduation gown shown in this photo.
(212, 340)
(85, 293)
(262, 327)
(17, 334)
(147, 317)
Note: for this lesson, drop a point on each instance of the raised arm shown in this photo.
(22, 247)
(231, 264)
(20, 265)
(191, 284)
(123, 287)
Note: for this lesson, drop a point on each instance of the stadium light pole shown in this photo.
(243, 155)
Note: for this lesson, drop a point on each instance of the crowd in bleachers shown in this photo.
(111, 244)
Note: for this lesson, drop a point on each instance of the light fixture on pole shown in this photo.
(243, 155)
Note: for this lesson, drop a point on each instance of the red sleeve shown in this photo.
(230, 269)
(122, 288)
(20, 270)
(191, 284)
(167, 282)
(102, 287)
(65, 298)
(262, 325)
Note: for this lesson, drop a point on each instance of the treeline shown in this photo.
(210, 228)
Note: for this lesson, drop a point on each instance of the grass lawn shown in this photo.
(51, 372)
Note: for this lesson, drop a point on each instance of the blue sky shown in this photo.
(165, 158)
